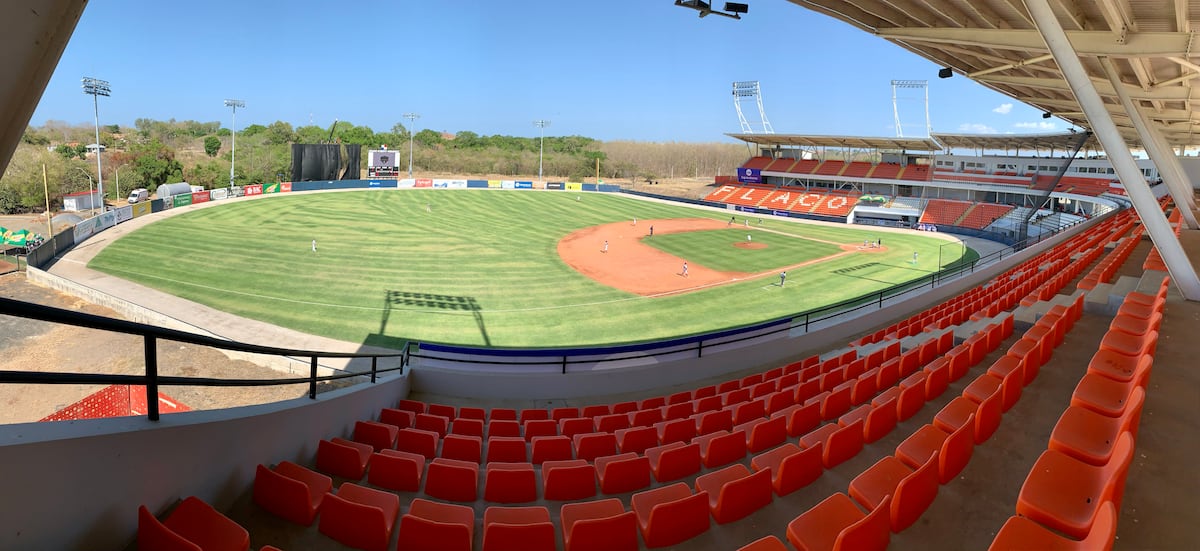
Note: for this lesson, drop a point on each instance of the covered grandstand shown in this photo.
(1002, 408)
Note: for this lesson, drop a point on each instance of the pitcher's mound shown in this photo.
(749, 245)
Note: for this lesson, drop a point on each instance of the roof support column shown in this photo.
(1098, 116)
(1156, 146)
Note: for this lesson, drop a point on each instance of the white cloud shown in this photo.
(976, 128)
(1040, 125)
(1003, 109)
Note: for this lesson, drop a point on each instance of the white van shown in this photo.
(138, 195)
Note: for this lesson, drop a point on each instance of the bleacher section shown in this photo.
(918, 173)
(749, 196)
(806, 166)
(857, 169)
(831, 168)
(757, 162)
(981, 215)
(779, 165)
(890, 171)
(944, 211)
(836, 204)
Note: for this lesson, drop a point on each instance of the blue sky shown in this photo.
(609, 69)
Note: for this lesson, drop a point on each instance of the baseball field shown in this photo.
(509, 268)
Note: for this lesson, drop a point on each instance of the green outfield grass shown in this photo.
(480, 267)
(717, 249)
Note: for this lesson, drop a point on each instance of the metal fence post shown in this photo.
(312, 379)
(151, 377)
(374, 364)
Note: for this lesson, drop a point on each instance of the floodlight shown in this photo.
(945, 72)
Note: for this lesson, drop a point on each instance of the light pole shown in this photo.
(541, 124)
(234, 103)
(96, 88)
(411, 117)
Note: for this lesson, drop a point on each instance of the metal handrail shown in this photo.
(150, 334)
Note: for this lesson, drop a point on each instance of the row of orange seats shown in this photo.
(1073, 492)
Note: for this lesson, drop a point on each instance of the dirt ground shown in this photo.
(29, 345)
(631, 265)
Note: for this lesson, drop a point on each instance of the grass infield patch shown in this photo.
(717, 249)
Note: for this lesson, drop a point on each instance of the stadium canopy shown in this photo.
(859, 142)
(1006, 142)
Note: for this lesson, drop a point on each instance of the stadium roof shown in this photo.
(862, 142)
(996, 43)
(1014, 141)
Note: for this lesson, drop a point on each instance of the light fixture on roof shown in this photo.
(733, 10)
(1046, 115)
(945, 72)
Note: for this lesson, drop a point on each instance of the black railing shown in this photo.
(151, 334)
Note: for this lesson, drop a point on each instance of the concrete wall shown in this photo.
(77, 485)
(1191, 169)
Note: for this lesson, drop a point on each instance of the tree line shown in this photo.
(154, 152)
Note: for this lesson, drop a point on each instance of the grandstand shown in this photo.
(1004, 408)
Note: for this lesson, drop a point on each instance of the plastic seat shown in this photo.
(734, 492)
(889, 374)
(619, 474)
(379, 435)
(344, 458)
(674, 461)
(417, 441)
(412, 405)
(713, 421)
(1021, 534)
(806, 391)
(534, 414)
(462, 448)
(762, 434)
(912, 396)
(880, 421)
(761, 390)
(670, 515)
(766, 543)
(193, 524)
(982, 387)
(953, 449)
(360, 517)
(502, 414)
(1118, 367)
(836, 402)
(958, 411)
(452, 480)
(653, 403)
(791, 468)
(1089, 436)
(443, 410)
(538, 427)
(598, 410)
(610, 423)
(433, 526)
(749, 411)
(624, 407)
(509, 483)
(704, 392)
(909, 491)
(602, 525)
(778, 400)
(466, 412)
(570, 480)
(398, 418)
(679, 430)
(801, 418)
(645, 417)
(864, 387)
(678, 411)
(721, 448)
(735, 396)
(1107, 396)
(1129, 345)
(396, 470)
(551, 448)
(467, 427)
(517, 529)
(558, 414)
(938, 378)
(637, 440)
(597, 444)
(575, 425)
(290, 492)
(838, 524)
(508, 428)
(508, 449)
(1062, 493)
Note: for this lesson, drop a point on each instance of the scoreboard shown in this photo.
(383, 163)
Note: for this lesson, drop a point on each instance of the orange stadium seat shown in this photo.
(602, 525)
(290, 492)
(193, 524)
(517, 529)
(360, 517)
(433, 526)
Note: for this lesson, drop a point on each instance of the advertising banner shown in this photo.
(285, 187)
(589, 187)
(508, 184)
(477, 184)
(200, 197)
(270, 188)
(493, 183)
(254, 189)
(181, 200)
(449, 184)
(423, 182)
(523, 185)
(140, 209)
(574, 186)
(539, 185)
(750, 175)
(554, 185)
(219, 194)
(780, 213)
(406, 183)
(125, 213)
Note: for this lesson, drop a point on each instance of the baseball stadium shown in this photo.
(856, 342)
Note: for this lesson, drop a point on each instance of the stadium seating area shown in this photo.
(659, 471)
(944, 212)
(981, 215)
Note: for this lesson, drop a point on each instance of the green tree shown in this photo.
(253, 130)
(113, 128)
(154, 164)
(65, 151)
(428, 138)
(34, 137)
(280, 132)
(81, 151)
(212, 145)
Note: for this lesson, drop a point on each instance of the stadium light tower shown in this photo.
(234, 103)
(96, 88)
(411, 117)
(541, 124)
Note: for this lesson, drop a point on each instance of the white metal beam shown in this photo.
(1168, 165)
(1103, 87)
(1086, 43)
(1180, 267)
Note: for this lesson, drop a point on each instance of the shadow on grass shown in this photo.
(428, 303)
